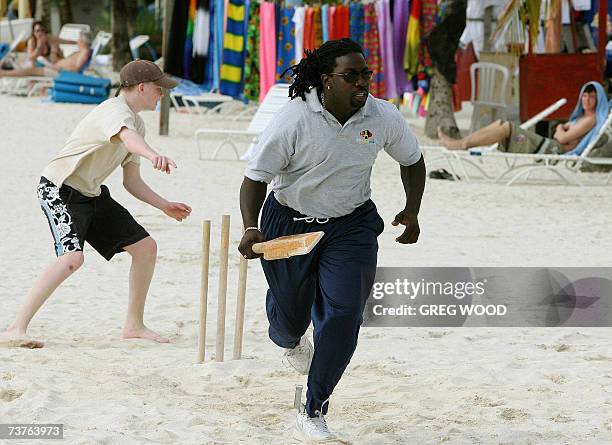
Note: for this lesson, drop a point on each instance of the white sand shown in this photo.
(418, 386)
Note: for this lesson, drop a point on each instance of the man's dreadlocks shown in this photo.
(307, 74)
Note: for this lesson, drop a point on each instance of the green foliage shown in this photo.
(146, 23)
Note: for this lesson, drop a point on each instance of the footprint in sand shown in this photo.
(7, 376)
(561, 418)
(514, 415)
(8, 395)
(24, 342)
(557, 378)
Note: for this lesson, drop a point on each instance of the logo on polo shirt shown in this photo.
(366, 135)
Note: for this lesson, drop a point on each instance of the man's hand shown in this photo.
(249, 238)
(412, 230)
(177, 210)
(162, 163)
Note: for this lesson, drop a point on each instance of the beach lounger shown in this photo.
(8, 49)
(274, 100)
(33, 85)
(475, 157)
(521, 166)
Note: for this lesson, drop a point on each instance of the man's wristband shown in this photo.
(251, 228)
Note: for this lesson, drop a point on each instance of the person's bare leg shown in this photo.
(54, 275)
(24, 72)
(491, 134)
(144, 255)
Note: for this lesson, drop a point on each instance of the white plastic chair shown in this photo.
(135, 44)
(489, 83)
(277, 96)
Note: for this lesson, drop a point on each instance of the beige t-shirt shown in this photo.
(93, 150)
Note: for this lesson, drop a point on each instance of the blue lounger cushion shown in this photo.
(81, 79)
(62, 96)
(80, 89)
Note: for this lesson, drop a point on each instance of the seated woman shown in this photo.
(75, 62)
(570, 138)
(44, 45)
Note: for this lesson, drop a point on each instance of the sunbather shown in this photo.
(570, 138)
(42, 44)
(75, 62)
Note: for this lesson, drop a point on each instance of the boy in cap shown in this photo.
(79, 208)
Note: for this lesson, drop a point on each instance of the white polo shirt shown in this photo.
(321, 168)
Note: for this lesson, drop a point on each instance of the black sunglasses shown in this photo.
(354, 76)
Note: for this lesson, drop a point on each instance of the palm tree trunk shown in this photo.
(120, 40)
(65, 11)
(442, 43)
(45, 16)
(131, 9)
(440, 113)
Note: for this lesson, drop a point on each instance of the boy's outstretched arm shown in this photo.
(134, 184)
(134, 143)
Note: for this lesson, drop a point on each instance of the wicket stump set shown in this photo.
(221, 294)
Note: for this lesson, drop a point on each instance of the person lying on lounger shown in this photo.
(75, 62)
(570, 138)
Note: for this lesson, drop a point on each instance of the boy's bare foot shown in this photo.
(448, 142)
(144, 333)
(18, 339)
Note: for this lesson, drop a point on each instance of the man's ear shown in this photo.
(326, 81)
(141, 87)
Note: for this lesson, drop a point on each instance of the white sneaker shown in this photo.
(312, 430)
(300, 357)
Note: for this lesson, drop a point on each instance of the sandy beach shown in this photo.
(404, 385)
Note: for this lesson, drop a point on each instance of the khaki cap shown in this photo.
(141, 71)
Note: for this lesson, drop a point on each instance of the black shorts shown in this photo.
(100, 220)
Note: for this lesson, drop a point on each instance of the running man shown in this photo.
(318, 156)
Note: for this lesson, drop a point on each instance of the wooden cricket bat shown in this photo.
(288, 246)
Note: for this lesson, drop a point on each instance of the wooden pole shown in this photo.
(24, 9)
(240, 303)
(164, 105)
(204, 290)
(602, 39)
(222, 293)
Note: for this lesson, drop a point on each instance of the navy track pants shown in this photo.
(328, 286)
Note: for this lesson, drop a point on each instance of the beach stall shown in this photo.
(546, 78)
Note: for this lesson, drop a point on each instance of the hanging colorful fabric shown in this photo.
(216, 44)
(356, 22)
(428, 21)
(386, 50)
(401, 13)
(371, 47)
(201, 41)
(188, 47)
(318, 30)
(267, 48)
(326, 22)
(341, 27)
(299, 17)
(286, 40)
(309, 32)
(233, 50)
(176, 38)
(413, 40)
(251, 64)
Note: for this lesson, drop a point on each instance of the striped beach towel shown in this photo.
(233, 50)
